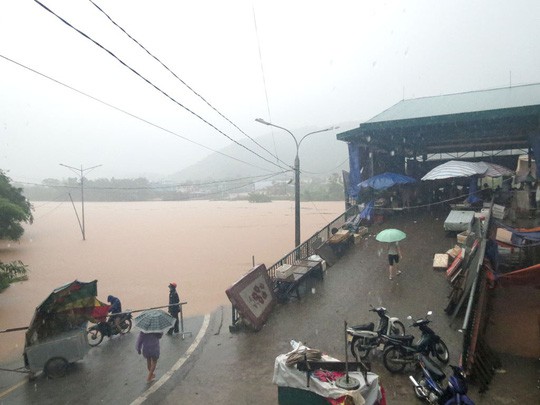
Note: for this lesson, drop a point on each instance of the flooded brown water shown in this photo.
(135, 249)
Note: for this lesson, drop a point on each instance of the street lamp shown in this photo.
(81, 170)
(296, 175)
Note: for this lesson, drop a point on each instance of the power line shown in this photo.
(68, 186)
(327, 171)
(182, 81)
(130, 114)
(263, 76)
(153, 85)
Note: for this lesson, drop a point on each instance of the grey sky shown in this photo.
(325, 62)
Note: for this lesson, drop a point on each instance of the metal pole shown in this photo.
(296, 176)
(297, 200)
(81, 170)
(82, 203)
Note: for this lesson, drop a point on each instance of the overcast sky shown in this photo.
(324, 63)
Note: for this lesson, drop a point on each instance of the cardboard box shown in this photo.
(504, 236)
(498, 211)
(363, 230)
(284, 271)
(454, 251)
(462, 237)
(440, 261)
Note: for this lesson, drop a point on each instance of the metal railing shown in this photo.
(309, 247)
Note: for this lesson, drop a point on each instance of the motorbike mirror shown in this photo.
(430, 313)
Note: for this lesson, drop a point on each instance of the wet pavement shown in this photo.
(236, 368)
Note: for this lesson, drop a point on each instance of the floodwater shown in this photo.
(135, 249)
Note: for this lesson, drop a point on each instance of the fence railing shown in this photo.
(308, 248)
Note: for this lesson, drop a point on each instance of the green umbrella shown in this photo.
(390, 235)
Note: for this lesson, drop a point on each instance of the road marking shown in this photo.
(12, 388)
(165, 377)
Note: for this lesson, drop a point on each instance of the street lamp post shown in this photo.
(81, 170)
(296, 175)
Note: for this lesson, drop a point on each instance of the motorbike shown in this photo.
(427, 384)
(401, 350)
(364, 338)
(97, 332)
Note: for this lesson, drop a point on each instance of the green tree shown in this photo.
(14, 209)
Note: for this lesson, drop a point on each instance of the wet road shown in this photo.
(111, 373)
(237, 368)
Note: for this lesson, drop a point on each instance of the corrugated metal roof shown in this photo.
(474, 101)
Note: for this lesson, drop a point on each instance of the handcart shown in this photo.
(54, 354)
(57, 334)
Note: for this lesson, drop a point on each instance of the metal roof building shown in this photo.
(494, 122)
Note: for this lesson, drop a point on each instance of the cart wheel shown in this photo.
(56, 367)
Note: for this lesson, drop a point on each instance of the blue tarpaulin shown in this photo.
(386, 180)
(354, 175)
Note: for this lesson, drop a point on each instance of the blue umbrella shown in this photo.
(386, 180)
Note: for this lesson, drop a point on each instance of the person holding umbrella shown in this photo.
(394, 254)
(392, 237)
(148, 344)
(152, 324)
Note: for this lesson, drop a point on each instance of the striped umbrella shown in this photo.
(154, 321)
(456, 168)
(495, 170)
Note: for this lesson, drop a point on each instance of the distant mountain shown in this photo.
(320, 155)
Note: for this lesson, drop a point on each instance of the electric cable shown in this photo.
(263, 76)
(182, 81)
(130, 114)
(263, 176)
(328, 171)
(152, 84)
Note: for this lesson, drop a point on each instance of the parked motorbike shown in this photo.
(428, 384)
(401, 350)
(364, 338)
(97, 332)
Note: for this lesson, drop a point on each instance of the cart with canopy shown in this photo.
(57, 334)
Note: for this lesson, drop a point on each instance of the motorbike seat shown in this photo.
(433, 368)
(366, 326)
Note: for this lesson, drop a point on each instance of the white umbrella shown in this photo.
(495, 170)
(456, 168)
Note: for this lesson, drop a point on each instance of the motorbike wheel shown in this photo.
(441, 351)
(393, 359)
(359, 349)
(95, 337)
(397, 329)
(125, 326)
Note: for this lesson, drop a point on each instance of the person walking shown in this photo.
(394, 255)
(148, 345)
(174, 308)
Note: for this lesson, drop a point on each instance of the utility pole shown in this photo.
(296, 169)
(80, 172)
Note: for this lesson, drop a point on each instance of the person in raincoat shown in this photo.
(174, 307)
(115, 308)
(148, 345)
